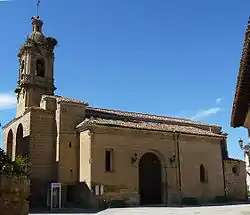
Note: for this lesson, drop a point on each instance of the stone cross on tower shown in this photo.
(37, 7)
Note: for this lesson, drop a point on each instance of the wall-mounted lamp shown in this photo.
(134, 158)
(241, 143)
(243, 146)
(172, 159)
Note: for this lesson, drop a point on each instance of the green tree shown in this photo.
(21, 165)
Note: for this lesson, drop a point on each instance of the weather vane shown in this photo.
(37, 7)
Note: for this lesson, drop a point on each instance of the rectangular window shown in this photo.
(109, 160)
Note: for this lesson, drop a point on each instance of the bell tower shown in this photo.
(36, 68)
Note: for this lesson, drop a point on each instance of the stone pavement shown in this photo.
(205, 210)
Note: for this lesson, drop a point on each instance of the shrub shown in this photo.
(189, 201)
(21, 165)
(221, 199)
(5, 163)
(116, 203)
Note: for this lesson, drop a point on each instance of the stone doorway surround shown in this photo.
(150, 179)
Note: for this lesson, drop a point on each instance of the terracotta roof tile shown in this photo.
(64, 99)
(235, 159)
(148, 126)
(103, 116)
(133, 116)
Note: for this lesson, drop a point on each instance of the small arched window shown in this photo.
(236, 170)
(40, 68)
(202, 173)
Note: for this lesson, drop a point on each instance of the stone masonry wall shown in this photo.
(38, 125)
(196, 151)
(125, 142)
(13, 126)
(69, 115)
(14, 192)
(235, 179)
(43, 145)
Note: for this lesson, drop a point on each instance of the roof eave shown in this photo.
(164, 131)
(240, 109)
(86, 125)
(238, 117)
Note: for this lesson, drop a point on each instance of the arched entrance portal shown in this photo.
(150, 181)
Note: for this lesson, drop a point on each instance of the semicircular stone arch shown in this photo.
(159, 155)
(21, 145)
(150, 179)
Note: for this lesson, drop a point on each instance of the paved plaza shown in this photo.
(208, 210)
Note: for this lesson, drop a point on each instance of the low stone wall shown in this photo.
(125, 193)
(14, 194)
(235, 179)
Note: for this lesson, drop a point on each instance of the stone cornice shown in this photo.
(30, 44)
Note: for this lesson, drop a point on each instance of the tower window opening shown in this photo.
(22, 66)
(40, 68)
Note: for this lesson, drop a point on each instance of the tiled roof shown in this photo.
(242, 93)
(101, 116)
(234, 159)
(117, 118)
(64, 99)
(153, 126)
(118, 114)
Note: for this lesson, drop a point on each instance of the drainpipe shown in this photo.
(178, 161)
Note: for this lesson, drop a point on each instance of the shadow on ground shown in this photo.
(64, 211)
(94, 211)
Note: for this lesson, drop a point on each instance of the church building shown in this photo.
(139, 158)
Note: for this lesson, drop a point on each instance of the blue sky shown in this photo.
(175, 58)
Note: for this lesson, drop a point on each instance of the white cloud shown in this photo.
(7, 101)
(206, 113)
(218, 100)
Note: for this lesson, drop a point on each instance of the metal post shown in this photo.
(51, 198)
(99, 192)
(60, 197)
